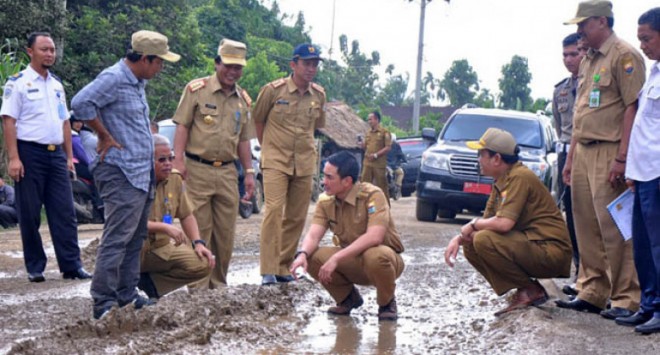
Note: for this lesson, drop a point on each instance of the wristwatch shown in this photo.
(473, 223)
(198, 241)
(249, 171)
(295, 256)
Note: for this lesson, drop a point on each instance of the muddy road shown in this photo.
(441, 310)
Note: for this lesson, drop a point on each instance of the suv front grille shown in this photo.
(466, 165)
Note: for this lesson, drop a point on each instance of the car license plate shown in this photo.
(477, 188)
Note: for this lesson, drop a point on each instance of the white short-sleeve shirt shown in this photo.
(38, 104)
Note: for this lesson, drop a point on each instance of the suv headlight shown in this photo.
(435, 160)
(539, 168)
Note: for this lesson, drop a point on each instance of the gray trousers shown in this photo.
(117, 270)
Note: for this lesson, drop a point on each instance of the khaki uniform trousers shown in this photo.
(606, 269)
(213, 193)
(183, 267)
(287, 201)
(509, 261)
(398, 176)
(376, 176)
(378, 266)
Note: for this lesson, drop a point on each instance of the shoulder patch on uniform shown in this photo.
(177, 172)
(627, 63)
(325, 197)
(318, 88)
(197, 84)
(246, 97)
(277, 83)
(16, 76)
(561, 82)
(56, 77)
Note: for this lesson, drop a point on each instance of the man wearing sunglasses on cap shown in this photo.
(172, 256)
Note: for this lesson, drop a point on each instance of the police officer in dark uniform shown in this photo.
(562, 110)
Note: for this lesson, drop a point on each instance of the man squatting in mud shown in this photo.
(522, 235)
(367, 245)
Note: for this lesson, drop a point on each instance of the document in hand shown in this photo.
(621, 210)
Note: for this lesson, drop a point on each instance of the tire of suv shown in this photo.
(425, 212)
(258, 197)
(449, 214)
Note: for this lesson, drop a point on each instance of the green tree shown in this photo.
(21, 17)
(394, 91)
(485, 99)
(358, 83)
(259, 72)
(460, 83)
(514, 84)
(539, 105)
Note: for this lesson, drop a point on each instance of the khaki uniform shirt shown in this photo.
(349, 219)
(217, 122)
(289, 122)
(563, 100)
(520, 196)
(375, 141)
(621, 70)
(180, 207)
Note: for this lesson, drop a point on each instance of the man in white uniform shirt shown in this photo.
(643, 175)
(38, 139)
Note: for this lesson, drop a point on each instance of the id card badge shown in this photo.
(594, 98)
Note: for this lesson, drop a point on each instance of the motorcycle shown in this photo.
(83, 197)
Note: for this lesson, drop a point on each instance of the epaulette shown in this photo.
(56, 77)
(364, 192)
(197, 84)
(16, 76)
(277, 83)
(246, 97)
(325, 197)
(561, 82)
(318, 88)
(177, 172)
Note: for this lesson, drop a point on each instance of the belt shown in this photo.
(215, 163)
(48, 147)
(597, 142)
(563, 147)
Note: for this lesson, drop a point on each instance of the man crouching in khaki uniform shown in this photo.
(522, 235)
(367, 245)
(171, 257)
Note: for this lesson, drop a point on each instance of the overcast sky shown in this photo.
(485, 32)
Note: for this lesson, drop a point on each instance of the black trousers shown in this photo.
(46, 182)
(565, 191)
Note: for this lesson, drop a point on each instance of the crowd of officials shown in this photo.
(606, 114)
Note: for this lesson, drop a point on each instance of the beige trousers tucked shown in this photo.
(376, 176)
(510, 261)
(182, 268)
(398, 176)
(378, 266)
(606, 269)
(287, 200)
(213, 193)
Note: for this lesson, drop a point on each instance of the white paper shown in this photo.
(621, 210)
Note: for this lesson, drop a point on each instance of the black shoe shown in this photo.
(569, 290)
(634, 320)
(389, 311)
(652, 326)
(268, 279)
(36, 277)
(77, 274)
(616, 312)
(284, 279)
(578, 305)
(352, 301)
(101, 312)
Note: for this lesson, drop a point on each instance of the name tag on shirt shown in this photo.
(35, 94)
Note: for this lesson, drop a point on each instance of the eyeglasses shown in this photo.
(164, 159)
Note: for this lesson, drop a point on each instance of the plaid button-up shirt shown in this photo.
(118, 98)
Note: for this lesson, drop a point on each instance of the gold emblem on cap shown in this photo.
(311, 49)
(208, 119)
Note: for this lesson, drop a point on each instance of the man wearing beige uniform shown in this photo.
(214, 129)
(610, 77)
(286, 113)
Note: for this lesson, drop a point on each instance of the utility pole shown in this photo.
(418, 79)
